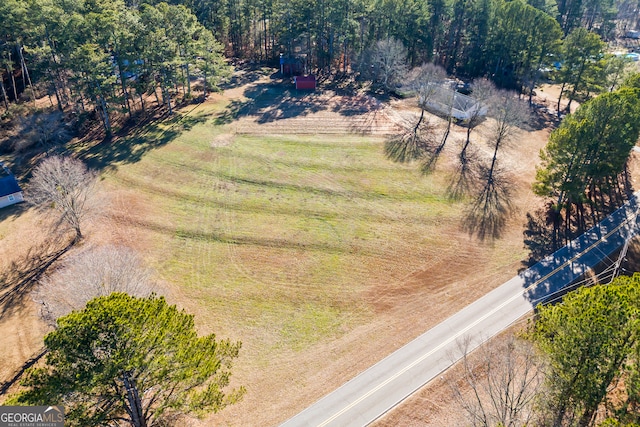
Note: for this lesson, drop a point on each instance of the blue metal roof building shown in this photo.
(10, 191)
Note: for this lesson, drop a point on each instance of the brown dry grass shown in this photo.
(435, 405)
(21, 329)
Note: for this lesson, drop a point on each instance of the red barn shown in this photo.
(305, 82)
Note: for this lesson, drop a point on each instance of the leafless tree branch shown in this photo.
(89, 274)
(44, 129)
(65, 186)
(501, 382)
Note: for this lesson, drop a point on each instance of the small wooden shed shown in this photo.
(10, 191)
(305, 82)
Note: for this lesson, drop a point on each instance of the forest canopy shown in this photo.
(89, 46)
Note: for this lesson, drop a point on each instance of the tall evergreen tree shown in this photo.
(589, 150)
(587, 339)
(131, 360)
(582, 64)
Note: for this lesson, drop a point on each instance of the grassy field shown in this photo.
(278, 239)
(295, 244)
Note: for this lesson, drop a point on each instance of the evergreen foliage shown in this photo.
(591, 344)
(131, 360)
(586, 155)
(105, 54)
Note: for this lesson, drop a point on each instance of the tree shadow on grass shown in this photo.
(413, 142)
(243, 75)
(17, 281)
(354, 105)
(277, 100)
(346, 84)
(548, 229)
(5, 386)
(270, 102)
(466, 179)
(132, 146)
(430, 159)
(234, 110)
(436, 149)
(13, 211)
(541, 235)
(23, 274)
(491, 208)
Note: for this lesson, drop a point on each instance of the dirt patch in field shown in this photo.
(222, 140)
(434, 281)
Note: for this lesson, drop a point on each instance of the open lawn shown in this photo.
(315, 251)
(289, 243)
(283, 236)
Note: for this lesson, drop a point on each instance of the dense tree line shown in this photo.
(108, 53)
(456, 31)
(506, 39)
(584, 164)
(103, 53)
(509, 41)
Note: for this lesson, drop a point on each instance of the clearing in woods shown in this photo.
(275, 218)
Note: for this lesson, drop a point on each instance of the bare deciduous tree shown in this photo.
(470, 170)
(510, 114)
(389, 60)
(65, 186)
(417, 140)
(492, 206)
(483, 90)
(44, 129)
(93, 273)
(425, 80)
(500, 384)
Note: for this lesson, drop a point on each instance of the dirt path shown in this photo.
(269, 106)
(548, 94)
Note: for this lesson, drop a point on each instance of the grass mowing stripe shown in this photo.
(285, 235)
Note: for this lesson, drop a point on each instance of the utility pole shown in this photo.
(623, 252)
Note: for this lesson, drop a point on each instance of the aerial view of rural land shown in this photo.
(338, 213)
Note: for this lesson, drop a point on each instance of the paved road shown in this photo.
(381, 387)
